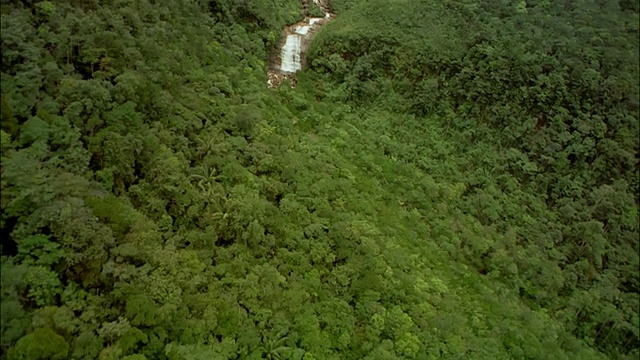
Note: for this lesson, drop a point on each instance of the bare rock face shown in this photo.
(293, 45)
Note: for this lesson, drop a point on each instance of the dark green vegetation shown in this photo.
(450, 179)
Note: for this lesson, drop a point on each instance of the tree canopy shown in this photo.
(448, 179)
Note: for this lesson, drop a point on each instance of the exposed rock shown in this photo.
(293, 45)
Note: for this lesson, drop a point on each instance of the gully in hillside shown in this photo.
(295, 41)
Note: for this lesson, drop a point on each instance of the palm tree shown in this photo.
(207, 180)
(205, 146)
(272, 348)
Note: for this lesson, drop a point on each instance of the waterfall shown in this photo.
(297, 37)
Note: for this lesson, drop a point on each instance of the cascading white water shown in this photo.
(303, 30)
(297, 38)
(291, 54)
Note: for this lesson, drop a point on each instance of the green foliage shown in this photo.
(86, 345)
(39, 250)
(14, 321)
(45, 8)
(447, 179)
(135, 357)
(8, 121)
(314, 10)
(43, 285)
(535, 136)
(42, 344)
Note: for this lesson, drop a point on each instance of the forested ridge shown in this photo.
(448, 179)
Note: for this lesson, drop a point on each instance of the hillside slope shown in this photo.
(160, 202)
(541, 100)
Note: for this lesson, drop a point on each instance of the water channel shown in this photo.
(296, 38)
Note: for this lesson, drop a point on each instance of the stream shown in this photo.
(293, 45)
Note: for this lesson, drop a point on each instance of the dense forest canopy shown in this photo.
(448, 179)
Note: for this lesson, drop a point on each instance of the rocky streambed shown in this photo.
(294, 42)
